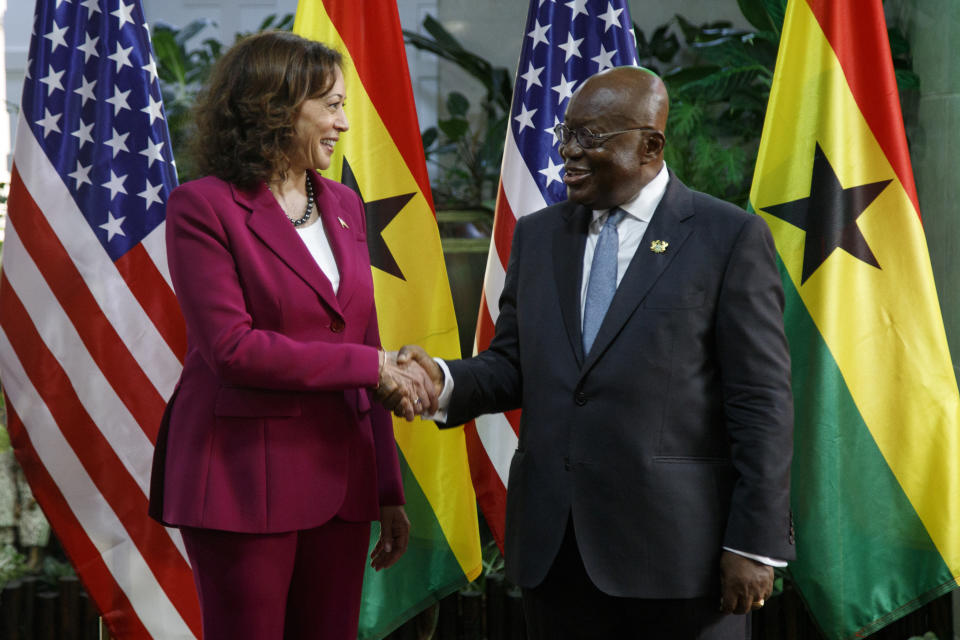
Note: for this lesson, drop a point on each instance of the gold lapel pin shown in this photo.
(659, 246)
(342, 223)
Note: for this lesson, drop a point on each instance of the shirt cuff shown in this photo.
(771, 562)
(443, 400)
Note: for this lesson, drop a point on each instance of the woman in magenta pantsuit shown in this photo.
(272, 459)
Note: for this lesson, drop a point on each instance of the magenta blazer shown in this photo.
(271, 427)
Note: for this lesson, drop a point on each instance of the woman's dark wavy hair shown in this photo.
(245, 115)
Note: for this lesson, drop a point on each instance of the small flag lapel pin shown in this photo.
(342, 223)
(659, 246)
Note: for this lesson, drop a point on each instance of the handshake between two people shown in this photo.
(410, 382)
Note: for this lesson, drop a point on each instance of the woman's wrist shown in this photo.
(381, 360)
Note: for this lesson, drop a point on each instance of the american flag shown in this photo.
(91, 340)
(564, 43)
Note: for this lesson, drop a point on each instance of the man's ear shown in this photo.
(653, 145)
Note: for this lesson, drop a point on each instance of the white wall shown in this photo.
(424, 68)
(230, 16)
(5, 148)
(17, 24)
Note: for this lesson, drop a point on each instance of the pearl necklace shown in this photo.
(306, 214)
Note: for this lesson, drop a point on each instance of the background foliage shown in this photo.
(719, 82)
(464, 148)
(718, 78)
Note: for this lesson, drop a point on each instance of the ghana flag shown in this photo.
(381, 157)
(876, 484)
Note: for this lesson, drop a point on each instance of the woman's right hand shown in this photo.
(405, 388)
(394, 537)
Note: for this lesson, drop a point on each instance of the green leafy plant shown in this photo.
(718, 94)
(52, 569)
(907, 81)
(466, 148)
(719, 80)
(467, 155)
(496, 80)
(13, 564)
(493, 569)
(182, 69)
(661, 47)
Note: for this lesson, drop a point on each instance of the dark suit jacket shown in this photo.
(672, 438)
(271, 427)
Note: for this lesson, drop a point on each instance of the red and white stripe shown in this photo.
(90, 350)
(492, 439)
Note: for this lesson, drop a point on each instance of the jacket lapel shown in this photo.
(267, 221)
(569, 240)
(344, 240)
(670, 224)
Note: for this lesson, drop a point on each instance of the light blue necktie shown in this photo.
(603, 278)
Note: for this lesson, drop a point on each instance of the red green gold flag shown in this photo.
(876, 493)
(381, 157)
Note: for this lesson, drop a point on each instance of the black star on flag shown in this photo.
(379, 214)
(829, 216)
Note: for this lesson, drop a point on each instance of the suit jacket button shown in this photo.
(580, 398)
(337, 325)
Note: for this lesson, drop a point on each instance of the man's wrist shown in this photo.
(772, 562)
(446, 391)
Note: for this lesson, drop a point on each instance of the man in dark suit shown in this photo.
(649, 493)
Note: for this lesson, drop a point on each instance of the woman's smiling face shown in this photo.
(319, 124)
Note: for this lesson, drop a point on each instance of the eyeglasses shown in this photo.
(588, 139)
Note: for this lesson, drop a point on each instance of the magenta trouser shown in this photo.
(280, 586)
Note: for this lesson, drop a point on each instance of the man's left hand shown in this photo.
(744, 583)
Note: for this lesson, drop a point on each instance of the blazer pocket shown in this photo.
(674, 299)
(360, 399)
(238, 402)
(691, 460)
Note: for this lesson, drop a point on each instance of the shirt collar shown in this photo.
(642, 205)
